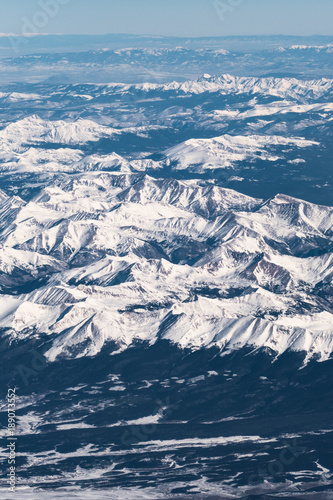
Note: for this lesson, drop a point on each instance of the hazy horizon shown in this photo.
(159, 35)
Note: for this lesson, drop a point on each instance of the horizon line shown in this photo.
(266, 35)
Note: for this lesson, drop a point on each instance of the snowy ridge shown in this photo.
(195, 155)
(31, 145)
(199, 155)
(124, 257)
(33, 130)
(227, 84)
(317, 48)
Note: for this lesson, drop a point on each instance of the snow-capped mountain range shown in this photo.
(20, 148)
(117, 226)
(123, 257)
(166, 265)
(285, 112)
(228, 84)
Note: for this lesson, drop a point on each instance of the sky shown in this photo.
(168, 17)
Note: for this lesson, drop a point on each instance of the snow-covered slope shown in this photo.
(123, 257)
(33, 129)
(32, 145)
(198, 155)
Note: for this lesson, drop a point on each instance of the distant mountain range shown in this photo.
(133, 59)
